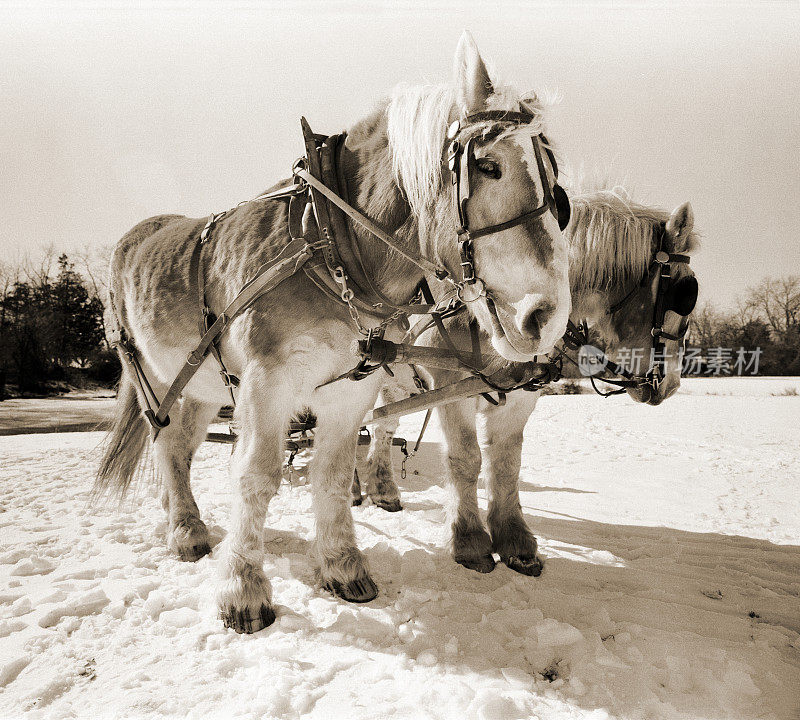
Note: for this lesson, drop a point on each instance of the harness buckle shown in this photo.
(465, 251)
(472, 291)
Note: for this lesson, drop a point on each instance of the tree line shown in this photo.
(51, 328)
(52, 338)
(766, 317)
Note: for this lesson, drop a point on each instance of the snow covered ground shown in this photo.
(671, 589)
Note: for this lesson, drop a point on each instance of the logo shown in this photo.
(591, 360)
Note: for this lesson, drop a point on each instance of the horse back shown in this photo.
(149, 271)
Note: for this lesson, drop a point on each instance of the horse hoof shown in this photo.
(531, 566)
(241, 622)
(357, 501)
(483, 564)
(358, 591)
(389, 505)
(194, 552)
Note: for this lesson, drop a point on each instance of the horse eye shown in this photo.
(489, 167)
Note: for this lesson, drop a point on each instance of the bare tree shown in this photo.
(37, 272)
(745, 312)
(93, 263)
(778, 302)
(704, 326)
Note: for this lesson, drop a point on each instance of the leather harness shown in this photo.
(333, 260)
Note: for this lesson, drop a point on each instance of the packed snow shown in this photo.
(671, 587)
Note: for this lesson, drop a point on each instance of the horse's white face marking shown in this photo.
(557, 277)
(525, 267)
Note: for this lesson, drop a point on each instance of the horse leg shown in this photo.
(511, 538)
(471, 544)
(245, 599)
(381, 486)
(342, 568)
(174, 449)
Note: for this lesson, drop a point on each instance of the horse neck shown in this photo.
(373, 190)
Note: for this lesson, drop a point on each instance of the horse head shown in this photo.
(487, 203)
(646, 318)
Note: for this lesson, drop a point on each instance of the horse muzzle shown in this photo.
(525, 329)
(651, 396)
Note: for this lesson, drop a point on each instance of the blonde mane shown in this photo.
(611, 238)
(417, 120)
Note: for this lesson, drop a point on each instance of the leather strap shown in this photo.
(421, 262)
(207, 318)
(269, 275)
(320, 208)
(317, 272)
(357, 267)
(541, 210)
(474, 364)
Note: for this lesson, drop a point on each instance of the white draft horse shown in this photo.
(612, 242)
(296, 338)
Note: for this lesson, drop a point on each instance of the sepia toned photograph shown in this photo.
(400, 360)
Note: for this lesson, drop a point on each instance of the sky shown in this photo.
(113, 112)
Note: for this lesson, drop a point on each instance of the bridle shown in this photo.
(461, 159)
(680, 297)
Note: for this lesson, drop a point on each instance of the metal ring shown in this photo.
(476, 291)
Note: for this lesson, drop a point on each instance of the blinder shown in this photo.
(682, 296)
(563, 208)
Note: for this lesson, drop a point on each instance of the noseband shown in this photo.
(461, 159)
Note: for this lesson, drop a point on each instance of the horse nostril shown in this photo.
(536, 319)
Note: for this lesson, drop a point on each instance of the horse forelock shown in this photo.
(418, 117)
(611, 239)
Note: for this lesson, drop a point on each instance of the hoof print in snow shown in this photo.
(357, 591)
(389, 505)
(531, 566)
(552, 673)
(483, 564)
(241, 622)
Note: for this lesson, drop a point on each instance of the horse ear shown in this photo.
(474, 87)
(680, 224)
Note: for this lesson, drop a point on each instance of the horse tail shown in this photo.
(125, 450)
